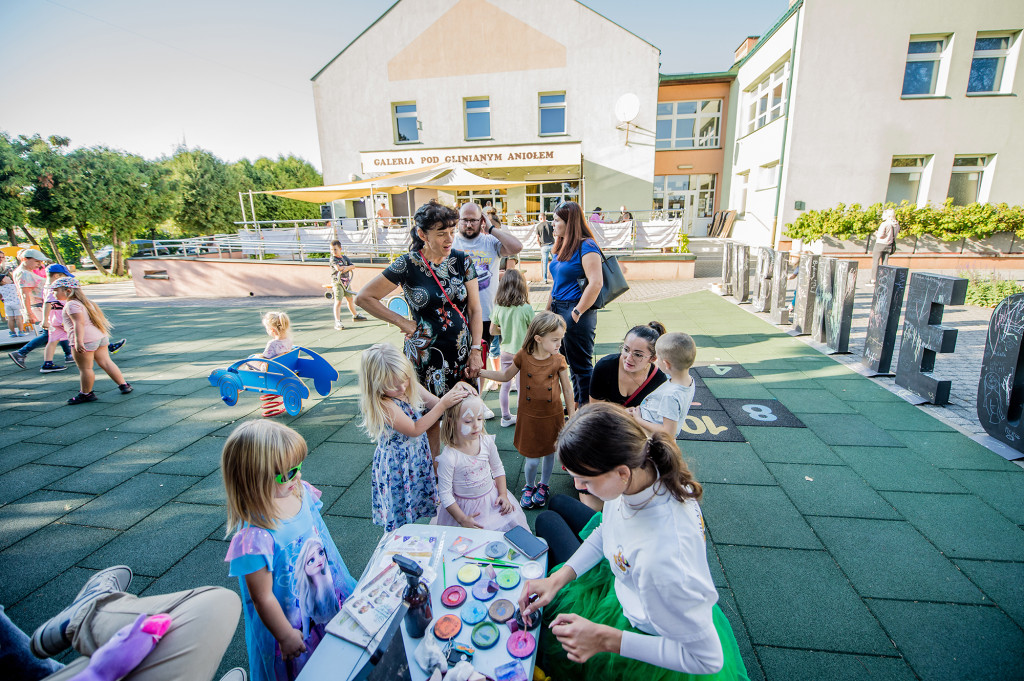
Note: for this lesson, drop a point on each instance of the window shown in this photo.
(742, 184)
(552, 113)
(768, 175)
(406, 125)
(685, 125)
(905, 179)
(496, 197)
(965, 180)
(681, 192)
(988, 68)
(477, 116)
(924, 58)
(766, 101)
(546, 197)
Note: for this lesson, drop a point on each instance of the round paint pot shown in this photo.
(501, 610)
(521, 644)
(496, 549)
(524, 625)
(474, 613)
(531, 570)
(484, 591)
(485, 635)
(447, 627)
(453, 596)
(508, 579)
(468, 574)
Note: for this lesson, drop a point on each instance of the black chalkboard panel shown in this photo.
(806, 285)
(1001, 387)
(823, 298)
(840, 314)
(923, 337)
(727, 250)
(762, 301)
(779, 313)
(884, 321)
(741, 273)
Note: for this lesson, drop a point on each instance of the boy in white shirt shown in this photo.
(665, 409)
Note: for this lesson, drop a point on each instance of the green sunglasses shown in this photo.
(289, 476)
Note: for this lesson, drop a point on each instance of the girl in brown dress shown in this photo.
(543, 381)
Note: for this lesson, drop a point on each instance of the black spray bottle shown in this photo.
(417, 597)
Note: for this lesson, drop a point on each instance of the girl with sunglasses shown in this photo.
(292, 578)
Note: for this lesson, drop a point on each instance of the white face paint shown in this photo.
(471, 420)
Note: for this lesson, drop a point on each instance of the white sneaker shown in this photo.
(338, 326)
(488, 414)
(510, 421)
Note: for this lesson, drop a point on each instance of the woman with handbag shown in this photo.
(577, 257)
(442, 340)
(885, 241)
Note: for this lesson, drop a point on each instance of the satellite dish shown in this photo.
(627, 108)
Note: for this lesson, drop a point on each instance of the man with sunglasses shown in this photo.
(486, 245)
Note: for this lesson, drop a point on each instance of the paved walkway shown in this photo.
(876, 542)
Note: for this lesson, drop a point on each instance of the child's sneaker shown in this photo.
(540, 497)
(125, 388)
(358, 318)
(82, 398)
(69, 359)
(338, 326)
(510, 421)
(13, 334)
(17, 358)
(112, 348)
(526, 501)
(50, 367)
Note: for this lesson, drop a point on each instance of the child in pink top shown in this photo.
(278, 327)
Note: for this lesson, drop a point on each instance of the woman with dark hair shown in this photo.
(628, 376)
(638, 585)
(443, 338)
(576, 257)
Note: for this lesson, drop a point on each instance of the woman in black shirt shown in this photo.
(628, 376)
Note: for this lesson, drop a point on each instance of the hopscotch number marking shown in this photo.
(721, 371)
(705, 424)
(759, 412)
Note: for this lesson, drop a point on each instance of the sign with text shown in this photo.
(721, 371)
(884, 320)
(759, 412)
(1001, 386)
(709, 426)
(523, 155)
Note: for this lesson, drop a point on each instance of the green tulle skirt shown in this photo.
(593, 596)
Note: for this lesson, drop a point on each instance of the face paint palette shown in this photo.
(531, 570)
(521, 644)
(473, 613)
(508, 579)
(468, 574)
(485, 590)
(485, 635)
(453, 596)
(447, 627)
(496, 549)
(501, 610)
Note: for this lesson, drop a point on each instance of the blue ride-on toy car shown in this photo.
(283, 378)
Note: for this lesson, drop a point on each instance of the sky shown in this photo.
(233, 76)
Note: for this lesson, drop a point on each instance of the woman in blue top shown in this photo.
(576, 256)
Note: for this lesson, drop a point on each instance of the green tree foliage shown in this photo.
(13, 181)
(287, 172)
(205, 192)
(948, 223)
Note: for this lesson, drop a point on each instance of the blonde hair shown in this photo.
(678, 349)
(278, 321)
(382, 367)
(450, 421)
(512, 289)
(95, 313)
(254, 454)
(543, 323)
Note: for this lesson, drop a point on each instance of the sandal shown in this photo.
(540, 496)
(125, 388)
(82, 398)
(526, 501)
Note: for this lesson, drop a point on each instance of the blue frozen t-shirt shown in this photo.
(310, 582)
(564, 275)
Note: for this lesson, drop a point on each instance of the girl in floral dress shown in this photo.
(404, 489)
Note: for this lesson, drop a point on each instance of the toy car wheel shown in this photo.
(292, 398)
(229, 390)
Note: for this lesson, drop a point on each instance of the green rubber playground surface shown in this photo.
(862, 539)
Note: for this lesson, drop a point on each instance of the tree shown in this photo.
(13, 180)
(284, 173)
(51, 205)
(206, 192)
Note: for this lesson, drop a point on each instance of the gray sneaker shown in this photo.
(17, 358)
(51, 638)
(236, 674)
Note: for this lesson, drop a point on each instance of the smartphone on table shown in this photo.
(525, 543)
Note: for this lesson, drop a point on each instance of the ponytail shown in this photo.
(673, 473)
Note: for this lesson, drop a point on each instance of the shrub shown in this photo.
(989, 290)
(682, 243)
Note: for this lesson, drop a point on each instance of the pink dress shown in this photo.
(469, 482)
(56, 319)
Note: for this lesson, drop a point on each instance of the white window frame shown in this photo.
(761, 108)
(909, 169)
(742, 188)
(768, 176)
(979, 168)
(466, 111)
(700, 119)
(395, 115)
(1008, 57)
(541, 106)
(941, 59)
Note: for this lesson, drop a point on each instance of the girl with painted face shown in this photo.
(471, 477)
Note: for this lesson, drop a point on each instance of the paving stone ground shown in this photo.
(876, 542)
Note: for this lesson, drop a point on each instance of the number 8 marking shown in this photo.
(759, 412)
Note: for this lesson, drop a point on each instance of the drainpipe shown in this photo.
(785, 130)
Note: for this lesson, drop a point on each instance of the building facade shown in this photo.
(519, 90)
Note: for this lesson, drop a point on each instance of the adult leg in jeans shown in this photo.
(37, 342)
(545, 260)
(16, 658)
(561, 527)
(203, 623)
(578, 347)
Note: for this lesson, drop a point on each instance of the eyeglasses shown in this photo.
(469, 221)
(638, 356)
(289, 476)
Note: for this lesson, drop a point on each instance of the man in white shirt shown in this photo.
(486, 245)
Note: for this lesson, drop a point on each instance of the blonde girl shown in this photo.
(279, 327)
(470, 475)
(391, 401)
(292, 578)
(510, 318)
(543, 383)
(88, 332)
